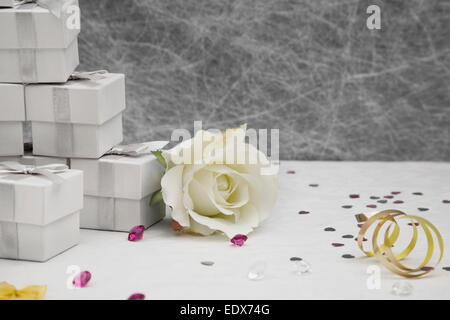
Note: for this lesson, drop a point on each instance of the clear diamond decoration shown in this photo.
(257, 271)
(301, 267)
(402, 288)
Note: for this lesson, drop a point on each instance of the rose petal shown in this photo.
(172, 190)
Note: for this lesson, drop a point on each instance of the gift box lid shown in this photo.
(35, 199)
(29, 26)
(77, 101)
(12, 102)
(120, 176)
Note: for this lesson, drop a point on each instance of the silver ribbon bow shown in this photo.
(50, 171)
(89, 75)
(137, 149)
(54, 6)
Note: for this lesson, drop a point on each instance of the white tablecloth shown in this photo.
(166, 265)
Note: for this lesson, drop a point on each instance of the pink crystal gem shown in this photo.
(137, 296)
(239, 240)
(136, 233)
(81, 279)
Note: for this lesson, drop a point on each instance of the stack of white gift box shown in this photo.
(76, 122)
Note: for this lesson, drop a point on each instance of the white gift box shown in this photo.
(35, 199)
(38, 65)
(118, 190)
(102, 213)
(12, 115)
(39, 217)
(79, 119)
(6, 3)
(30, 26)
(35, 45)
(77, 101)
(67, 140)
(39, 242)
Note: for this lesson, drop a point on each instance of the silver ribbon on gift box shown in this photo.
(54, 6)
(26, 33)
(9, 237)
(106, 174)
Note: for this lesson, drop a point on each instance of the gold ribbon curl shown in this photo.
(384, 254)
(9, 292)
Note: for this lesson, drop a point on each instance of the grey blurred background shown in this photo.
(335, 89)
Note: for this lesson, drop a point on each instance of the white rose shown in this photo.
(211, 188)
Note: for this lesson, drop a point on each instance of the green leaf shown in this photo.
(160, 158)
(156, 197)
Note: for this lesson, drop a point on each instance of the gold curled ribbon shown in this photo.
(9, 292)
(384, 254)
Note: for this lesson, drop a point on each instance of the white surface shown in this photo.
(166, 265)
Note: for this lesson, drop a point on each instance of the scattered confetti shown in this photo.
(423, 209)
(335, 244)
(347, 207)
(207, 263)
(418, 193)
(296, 259)
(415, 223)
(398, 202)
(290, 172)
(347, 236)
(446, 268)
(348, 256)
(239, 240)
(329, 229)
(389, 197)
(303, 212)
(354, 196)
(314, 185)
(395, 192)
(136, 233)
(360, 225)
(81, 279)
(373, 206)
(446, 201)
(137, 296)
(364, 239)
(374, 198)
(382, 201)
